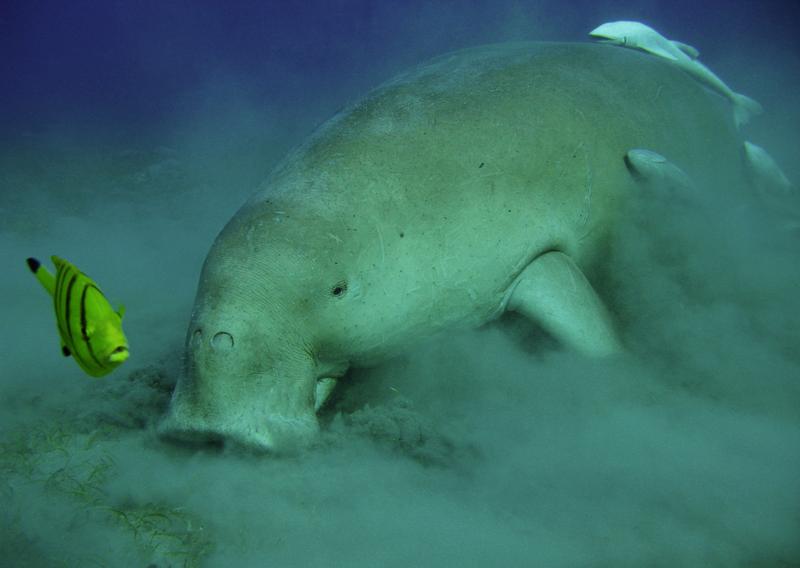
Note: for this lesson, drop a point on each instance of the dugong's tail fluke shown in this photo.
(743, 108)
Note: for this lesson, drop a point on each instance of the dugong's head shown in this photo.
(263, 335)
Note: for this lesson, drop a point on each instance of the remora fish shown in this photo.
(637, 35)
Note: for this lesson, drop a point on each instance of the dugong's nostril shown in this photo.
(222, 341)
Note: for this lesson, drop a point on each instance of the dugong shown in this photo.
(484, 181)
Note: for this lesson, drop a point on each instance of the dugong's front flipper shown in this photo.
(655, 171)
(323, 390)
(772, 186)
(553, 291)
(765, 173)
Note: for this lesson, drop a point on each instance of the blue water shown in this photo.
(133, 64)
(130, 132)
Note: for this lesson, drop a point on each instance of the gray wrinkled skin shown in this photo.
(417, 209)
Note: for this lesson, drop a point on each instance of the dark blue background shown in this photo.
(132, 64)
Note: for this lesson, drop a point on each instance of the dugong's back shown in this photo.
(496, 154)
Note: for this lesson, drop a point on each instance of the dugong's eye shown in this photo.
(339, 289)
(222, 341)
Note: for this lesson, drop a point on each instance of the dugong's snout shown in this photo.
(192, 419)
(227, 396)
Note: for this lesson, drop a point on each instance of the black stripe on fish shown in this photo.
(61, 285)
(57, 295)
(67, 308)
(83, 323)
(33, 264)
(57, 289)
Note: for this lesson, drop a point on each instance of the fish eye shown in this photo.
(222, 341)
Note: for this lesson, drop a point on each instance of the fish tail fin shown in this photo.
(743, 108)
(43, 275)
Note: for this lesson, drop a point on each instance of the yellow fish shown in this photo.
(90, 329)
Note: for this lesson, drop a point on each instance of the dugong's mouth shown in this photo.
(275, 434)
